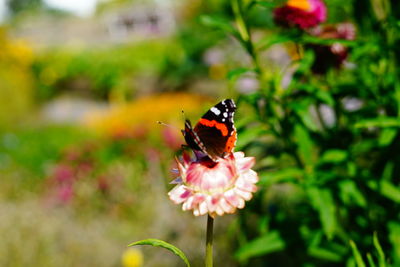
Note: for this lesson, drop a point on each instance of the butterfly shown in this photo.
(215, 133)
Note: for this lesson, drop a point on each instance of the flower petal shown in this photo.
(179, 194)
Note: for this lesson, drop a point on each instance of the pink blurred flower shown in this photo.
(65, 193)
(214, 188)
(63, 173)
(172, 138)
(301, 13)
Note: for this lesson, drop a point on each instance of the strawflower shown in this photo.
(301, 13)
(212, 188)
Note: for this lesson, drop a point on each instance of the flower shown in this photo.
(132, 257)
(214, 188)
(334, 54)
(301, 13)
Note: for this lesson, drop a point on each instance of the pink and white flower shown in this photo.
(214, 188)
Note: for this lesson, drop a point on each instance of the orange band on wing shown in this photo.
(230, 144)
(220, 126)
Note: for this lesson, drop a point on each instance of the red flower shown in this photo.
(301, 13)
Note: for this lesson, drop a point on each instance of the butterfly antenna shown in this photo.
(183, 115)
(168, 125)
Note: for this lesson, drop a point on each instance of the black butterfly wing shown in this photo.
(216, 130)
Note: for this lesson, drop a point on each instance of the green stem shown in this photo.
(245, 35)
(246, 40)
(209, 242)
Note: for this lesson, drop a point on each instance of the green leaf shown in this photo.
(249, 136)
(381, 122)
(159, 243)
(390, 191)
(324, 254)
(370, 260)
(308, 39)
(386, 137)
(273, 39)
(233, 74)
(288, 174)
(325, 97)
(334, 156)
(394, 237)
(323, 202)
(268, 243)
(305, 146)
(350, 193)
(356, 254)
(218, 23)
(379, 249)
(265, 4)
(303, 111)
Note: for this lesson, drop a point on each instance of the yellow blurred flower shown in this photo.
(300, 4)
(16, 86)
(139, 117)
(132, 257)
(14, 51)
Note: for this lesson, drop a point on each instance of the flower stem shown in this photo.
(209, 241)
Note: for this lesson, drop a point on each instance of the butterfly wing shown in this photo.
(216, 131)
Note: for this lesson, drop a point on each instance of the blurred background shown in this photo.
(85, 168)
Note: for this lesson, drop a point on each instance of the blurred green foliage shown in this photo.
(100, 73)
(327, 143)
(18, 6)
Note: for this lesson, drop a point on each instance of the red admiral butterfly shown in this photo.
(214, 134)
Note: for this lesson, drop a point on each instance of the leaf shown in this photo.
(218, 23)
(325, 97)
(386, 137)
(273, 39)
(316, 40)
(334, 156)
(233, 74)
(303, 111)
(288, 174)
(249, 136)
(350, 193)
(324, 254)
(265, 244)
(159, 243)
(356, 254)
(379, 249)
(370, 260)
(381, 122)
(305, 146)
(323, 202)
(390, 191)
(394, 237)
(265, 4)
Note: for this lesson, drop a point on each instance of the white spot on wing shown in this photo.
(215, 111)
(225, 115)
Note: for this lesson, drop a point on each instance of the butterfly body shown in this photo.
(215, 133)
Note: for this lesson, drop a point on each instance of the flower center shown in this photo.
(300, 4)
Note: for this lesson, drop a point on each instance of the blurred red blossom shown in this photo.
(301, 13)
